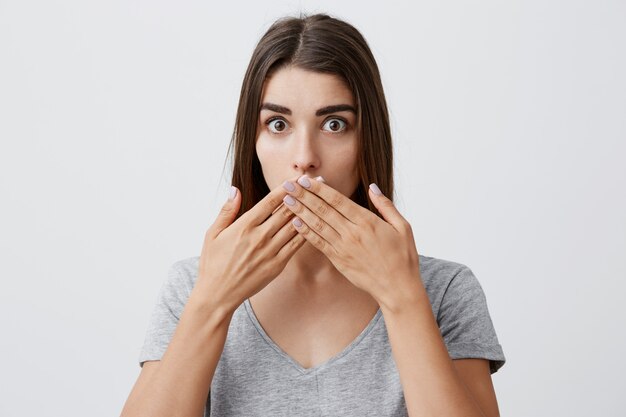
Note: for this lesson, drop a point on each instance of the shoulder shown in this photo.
(460, 307)
(443, 278)
(182, 275)
(437, 273)
(187, 268)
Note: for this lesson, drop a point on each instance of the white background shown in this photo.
(509, 132)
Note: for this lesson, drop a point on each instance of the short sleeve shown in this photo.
(465, 322)
(170, 303)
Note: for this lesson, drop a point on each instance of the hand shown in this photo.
(376, 255)
(240, 259)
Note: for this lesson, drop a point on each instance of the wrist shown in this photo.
(404, 297)
(210, 308)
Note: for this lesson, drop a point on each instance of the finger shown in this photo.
(291, 247)
(319, 207)
(264, 208)
(227, 214)
(315, 222)
(276, 209)
(276, 221)
(342, 204)
(313, 238)
(282, 236)
(387, 209)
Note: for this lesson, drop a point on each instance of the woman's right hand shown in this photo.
(240, 259)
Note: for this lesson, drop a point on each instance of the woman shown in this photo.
(305, 301)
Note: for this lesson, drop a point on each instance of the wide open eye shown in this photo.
(335, 125)
(276, 125)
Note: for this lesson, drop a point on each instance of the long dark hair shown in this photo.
(328, 45)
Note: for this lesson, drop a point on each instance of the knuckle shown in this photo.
(319, 225)
(226, 210)
(386, 203)
(305, 230)
(241, 234)
(295, 243)
(260, 239)
(321, 209)
(310, 236)
(354, 235)
(320, 243)
(271, 202)
(406, 228)
(285, 212)
(337, 201)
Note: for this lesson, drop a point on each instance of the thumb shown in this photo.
(386, 207)
(227, 213)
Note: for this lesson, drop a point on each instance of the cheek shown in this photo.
(272, 157)
(348, 156)
(264, 149)
(345, 163)
(260, 150)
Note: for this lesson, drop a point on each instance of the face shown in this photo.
(307, 126)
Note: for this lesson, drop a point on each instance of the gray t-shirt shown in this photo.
(254, 377)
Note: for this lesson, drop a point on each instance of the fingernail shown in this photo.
(297, 222)
(304, 181)
(320, 178)
(375, 189)
(289, 200)
(233, 192)
(288, 185)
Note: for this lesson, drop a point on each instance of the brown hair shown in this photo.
(328, 45)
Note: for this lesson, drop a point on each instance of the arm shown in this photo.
(476, 375)
(178, 384)
(379, 256)
(238, 259)
(432, 384)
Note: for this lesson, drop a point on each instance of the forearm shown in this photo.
(430, 383)
(181, 384)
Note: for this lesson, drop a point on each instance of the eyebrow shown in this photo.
(320, 112)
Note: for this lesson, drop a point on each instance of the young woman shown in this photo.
(309, 297)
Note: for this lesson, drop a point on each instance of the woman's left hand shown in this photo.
(378, 256)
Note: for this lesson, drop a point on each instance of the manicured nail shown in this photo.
(320, 178)
(304, 181)
(289, 200)
(375, 189)
(233, 192)
(288, 185)
(297, 222)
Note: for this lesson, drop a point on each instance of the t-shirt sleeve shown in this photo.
(170, 303)
(465, 323)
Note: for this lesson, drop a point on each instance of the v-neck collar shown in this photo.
(295, 363)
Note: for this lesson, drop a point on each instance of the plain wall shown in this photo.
(509, 138)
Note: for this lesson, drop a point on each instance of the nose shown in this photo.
(305, 154)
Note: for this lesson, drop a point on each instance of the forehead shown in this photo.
(297, 88)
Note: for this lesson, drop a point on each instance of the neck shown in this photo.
(311, 268)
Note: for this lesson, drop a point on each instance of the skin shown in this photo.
(304, 143)
(379, 256)
(376, 255)
(238, 258)
(354, 241)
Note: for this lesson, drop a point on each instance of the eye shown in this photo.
(276, 125)
(336, 125)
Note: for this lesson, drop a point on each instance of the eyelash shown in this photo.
(271, 119)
